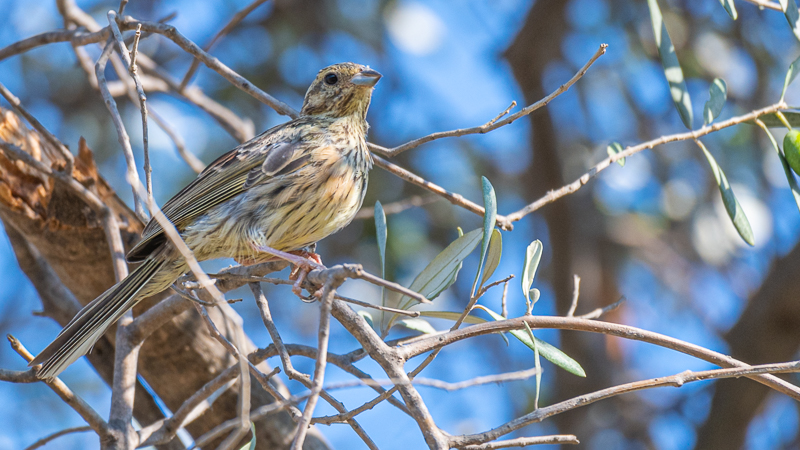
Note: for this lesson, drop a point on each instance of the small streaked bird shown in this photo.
(288, 188)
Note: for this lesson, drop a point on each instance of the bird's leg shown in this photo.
(303, 261)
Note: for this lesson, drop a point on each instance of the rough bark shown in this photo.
(54, 231)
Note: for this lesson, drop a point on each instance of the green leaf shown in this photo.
(439, 274)
(792, 16)
(730, 8)
(532, 257)
(368, 317)
(791, 74)
(549, 352)
(787, 170)
(382, 233)
(732, 205)
(489, 218)
(717, 94)
(252, 444)
(449, 315)
(538, 365)
(417, 324)
(672, 68)
(493, 257)
(614, 148)
(772, 121)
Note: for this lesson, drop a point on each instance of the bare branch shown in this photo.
(493, 124)
(599, 312)
(456, 199)
(552, 196)
(571, 323)
(213, 63)
(398, 207)
(41, 442)
(124, 141)
(78, 404)
(233, 23)
(328, 290)
(576, 292)
(526, 441)
(677, 380)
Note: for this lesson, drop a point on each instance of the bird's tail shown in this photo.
(93, 320)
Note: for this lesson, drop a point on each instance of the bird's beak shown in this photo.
(366, 77)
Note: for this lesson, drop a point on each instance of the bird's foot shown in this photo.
(303, 261)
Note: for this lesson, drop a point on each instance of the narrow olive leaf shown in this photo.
(717, 94)
(532, 257)
(732, 205)
(417, 324)
(792, 16)
(538, 365)
(449, 315)
(367, 317)
(730, 8)
(549, 352)
(772, 121)
(791, 74)
(614, 148)
(672, 68)
(792, 147)
(493, 257)
(252, 444)
(381, 231)
(489, 218)
(439, 273)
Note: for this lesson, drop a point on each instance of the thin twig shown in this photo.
(233, 23)
(132, 175)
(213, 63)
(401, 312)
(526, 441)
(328, 291)
(456, 199)
(41, 442)
(493, 124)
(78, 404)
(766, 4)
(576, 292)
(427, 344)
(130, 62)
(570, 188)
(398, 207)
(599, 312)
(677, 380)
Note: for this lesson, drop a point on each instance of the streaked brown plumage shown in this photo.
(288, 188)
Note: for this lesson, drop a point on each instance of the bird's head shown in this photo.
(340, 90)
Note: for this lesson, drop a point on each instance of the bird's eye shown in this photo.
(331, 78)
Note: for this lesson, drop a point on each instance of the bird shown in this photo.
(285, 189)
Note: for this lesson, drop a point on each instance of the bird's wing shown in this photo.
(270, 154)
